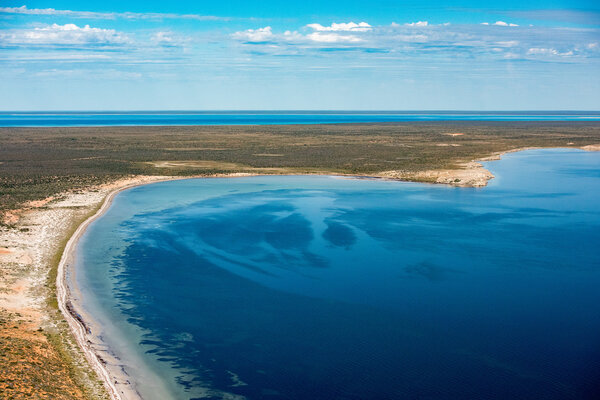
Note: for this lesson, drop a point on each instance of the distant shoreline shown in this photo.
(595, 121)
(63, 119)
(324, 112)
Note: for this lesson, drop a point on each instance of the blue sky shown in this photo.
(360, 55)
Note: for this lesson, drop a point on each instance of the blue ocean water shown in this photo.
(312, 287)
(38, 119)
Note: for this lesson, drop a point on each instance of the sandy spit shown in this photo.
(470, 174)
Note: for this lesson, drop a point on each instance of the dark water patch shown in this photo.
(339, 234)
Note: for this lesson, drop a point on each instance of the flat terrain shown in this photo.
(36, 163)
(51, 179)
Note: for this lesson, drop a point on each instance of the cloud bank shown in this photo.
(67, 34)
(418, 39)
(345, 27)
(260, 35)
(107, 15)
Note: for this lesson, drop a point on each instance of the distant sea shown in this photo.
(317, 287)
(174, 118)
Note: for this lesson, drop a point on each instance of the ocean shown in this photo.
(320, 287)
(174, 118)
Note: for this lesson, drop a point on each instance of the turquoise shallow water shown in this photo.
(320, 287)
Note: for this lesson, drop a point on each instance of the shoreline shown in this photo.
(79, 327)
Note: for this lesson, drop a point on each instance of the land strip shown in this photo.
(37, 163)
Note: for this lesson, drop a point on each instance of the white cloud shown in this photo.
(419, 23)
(332, 38)
(68, 34)
(263, 35)
(345, 26)
(163, 37)
(169, 39)
(541, 51)
(508, 43)
(107, 15)
(255, 35)
(292, 36)
(537, 50)
(502, 23)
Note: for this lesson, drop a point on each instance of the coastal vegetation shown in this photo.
(36, 163)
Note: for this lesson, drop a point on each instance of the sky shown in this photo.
(299, 55)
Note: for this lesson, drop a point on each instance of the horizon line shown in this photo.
(389, 111)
